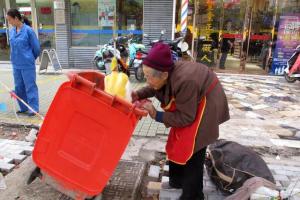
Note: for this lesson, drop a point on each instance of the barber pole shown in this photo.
(184, 14)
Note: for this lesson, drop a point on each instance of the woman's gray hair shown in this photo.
(156, 73)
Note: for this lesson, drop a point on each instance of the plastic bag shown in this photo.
(117, 83)
(292, 192)
(264, 193)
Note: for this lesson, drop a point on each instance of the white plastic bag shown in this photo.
(293, 191)
(264, 193)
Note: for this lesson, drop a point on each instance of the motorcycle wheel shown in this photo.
(99, 67)
(139, 74)
(289, 79)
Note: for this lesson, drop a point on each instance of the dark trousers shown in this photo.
(223, 60)
(189, 177)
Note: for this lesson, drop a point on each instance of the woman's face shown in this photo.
(12, 21)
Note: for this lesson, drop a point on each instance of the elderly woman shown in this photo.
(194, 105)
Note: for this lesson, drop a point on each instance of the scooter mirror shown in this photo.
(162, 32)
(146, 35)
(183, 46)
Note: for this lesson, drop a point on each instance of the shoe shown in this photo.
(31, 114)
(21, 112)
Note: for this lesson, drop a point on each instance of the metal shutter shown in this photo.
(158, 15)
(63, 38)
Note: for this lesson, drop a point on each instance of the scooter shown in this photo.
(178, 47)
(115, 48)
(136, 65)
(136, 52)
(292, 70)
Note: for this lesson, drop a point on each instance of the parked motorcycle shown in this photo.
(292, 70)
(136, 54)
(115, 48)
(178, 48)
(137, 65)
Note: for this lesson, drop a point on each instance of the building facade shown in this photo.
(255, 29)
(75, 27)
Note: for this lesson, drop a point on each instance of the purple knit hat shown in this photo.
(159, 58)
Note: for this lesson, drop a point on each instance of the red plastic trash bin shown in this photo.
(84, 134)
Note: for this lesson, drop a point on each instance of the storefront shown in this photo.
(95, 22)
(39, 12)
(239, 34)
(235, 34)
(75, 27)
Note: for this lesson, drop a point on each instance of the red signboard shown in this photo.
(253, 37)
(260, 37)
(26, 13)
(45, 10)
(231, 36)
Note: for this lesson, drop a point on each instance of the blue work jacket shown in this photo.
(24, 47)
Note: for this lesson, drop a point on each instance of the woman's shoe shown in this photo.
(31, 114)
(21, 112)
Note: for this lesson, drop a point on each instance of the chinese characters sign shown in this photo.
(287, 40)
(106, 12)
(205, 48)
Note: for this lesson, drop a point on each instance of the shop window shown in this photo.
(45, 20)
(95, 22)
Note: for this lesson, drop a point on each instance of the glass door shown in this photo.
(259, 38)
(45, 21)
(4, 39)
(231, 34)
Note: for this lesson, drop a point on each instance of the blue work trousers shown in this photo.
(26, 88)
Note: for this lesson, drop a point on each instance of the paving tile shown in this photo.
(13, 152)
(172, 194)
(280, 177)
(286, 172)
(165, 179)
(283, 167)
(286, 143)
(6, 167)
(154, 171)
(153, 188)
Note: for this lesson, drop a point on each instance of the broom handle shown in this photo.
(21, 100)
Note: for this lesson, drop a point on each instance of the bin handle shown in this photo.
(134, 109)
(75, 78)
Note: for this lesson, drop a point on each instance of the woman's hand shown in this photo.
(150, 108)
(134, 96)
